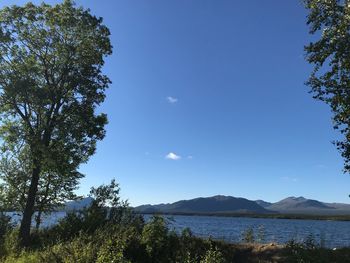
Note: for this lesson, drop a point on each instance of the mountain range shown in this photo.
(220, 204)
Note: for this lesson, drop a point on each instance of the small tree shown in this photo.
(54, 188)
(330, 55)
(51, 82)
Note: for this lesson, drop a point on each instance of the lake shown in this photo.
(334, 234)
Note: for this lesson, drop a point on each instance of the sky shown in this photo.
(208, 98)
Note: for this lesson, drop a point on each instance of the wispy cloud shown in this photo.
(171, 100)
(172, 156)
(190, 157)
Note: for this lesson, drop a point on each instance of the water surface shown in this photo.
(330, 233)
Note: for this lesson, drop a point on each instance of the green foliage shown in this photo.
(154, 237)
(5, 224)
(248, 235)
(15, 175)
(96, 216)
(189, 258)
(309, 251)
(51, 82)
(303, 252)
(15, 171)
(112, 251)
(24, 257)
(213, 255)
(330, 79)
(10, 242)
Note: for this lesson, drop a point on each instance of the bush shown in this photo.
(112, 251)
(248, 235)
(24, 257)
(111, 234)
(213, 255)
(5, 228)
(5, 225)
(10, 243)
(310, 251)
(155, 239)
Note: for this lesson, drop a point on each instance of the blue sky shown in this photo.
(220, 85)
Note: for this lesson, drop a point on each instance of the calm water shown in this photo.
(333, 233)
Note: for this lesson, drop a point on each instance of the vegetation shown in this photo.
(109, 231)
(310, 251)
(51, 82)
(102, 233)
(330, 79)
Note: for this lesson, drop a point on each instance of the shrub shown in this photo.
(110, 234)
(213, 255)
(112, 251)
(24, 257)
(82, 249)
(248, 235)
(5, 225)
(261, 234)
(11, 244)
(307, 251)
(154, 238)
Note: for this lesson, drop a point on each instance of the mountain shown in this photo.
(214, 204)
(220, 204)
(298, 204)
(301, 205)
(263, 203)
(78, 204)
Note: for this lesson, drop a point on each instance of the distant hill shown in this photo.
(78, 204)
(227, 204)
(298, 203)
(301, 205)
(263, 203)
(215, 204)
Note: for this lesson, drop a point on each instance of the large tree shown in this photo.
(51, 82)
(329, 21)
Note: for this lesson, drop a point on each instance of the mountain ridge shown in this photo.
(230, 204)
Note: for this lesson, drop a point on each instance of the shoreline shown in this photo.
(344, 218)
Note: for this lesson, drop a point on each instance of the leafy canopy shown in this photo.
(51, 80)
(329, 20)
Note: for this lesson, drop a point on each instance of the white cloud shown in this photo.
(172, 156)
(190, 157)
(172, 100)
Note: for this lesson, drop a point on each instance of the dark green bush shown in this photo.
(5, 227)
(309, 251)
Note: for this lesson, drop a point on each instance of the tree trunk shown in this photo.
(38, 219)
(42, 202)
(24, 230)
